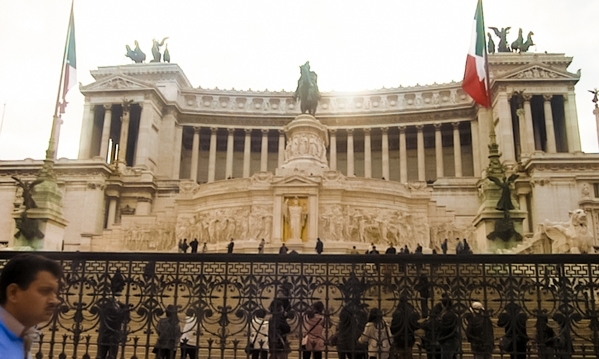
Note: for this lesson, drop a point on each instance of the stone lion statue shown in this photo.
(569, 237)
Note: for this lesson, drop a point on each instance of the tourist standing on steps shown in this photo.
(403, 326)
(183, 246)
(283, 249)
(169, 334)
(319, 246)
(444, 246)
(313, 339)
(28, 296)
(459, 248)
(194, 245)
(258, 341)
(391, 249)
(189, 343)
(261, 246)
(230, 246)
(377, 335)
(278, 328)
(114, 316)
(205, 248)
(479, 331)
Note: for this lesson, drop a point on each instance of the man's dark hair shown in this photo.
(22, 270)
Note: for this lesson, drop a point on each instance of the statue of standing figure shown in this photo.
(156, 49)
(502, 35)
(296, 217)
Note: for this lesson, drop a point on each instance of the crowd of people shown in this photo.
(29, 286)
(462, 247)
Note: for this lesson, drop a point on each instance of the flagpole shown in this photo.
(48, 168)
(488, 82)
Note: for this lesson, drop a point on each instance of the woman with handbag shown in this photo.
(313, 339)
(258, 341)
(376, 334)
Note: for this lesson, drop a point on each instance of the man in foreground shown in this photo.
(28, 296)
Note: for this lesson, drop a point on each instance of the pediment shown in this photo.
(295, 180)
(116, 83)
(537, 73)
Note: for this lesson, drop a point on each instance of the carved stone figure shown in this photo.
(307, 90)
(505, 201)
(519, 41)
(528, 43)
(167, 54)
(595, 93)
(136, 54)
(156, 49)
(28, 191)
(573, 236)
(518, 97)
(296, 217)
(502, 35)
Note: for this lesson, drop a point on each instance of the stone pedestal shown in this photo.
(305, 152)
(49, 216)
(487, 217)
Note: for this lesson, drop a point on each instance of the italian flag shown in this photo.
(70, 62)
(476, 78)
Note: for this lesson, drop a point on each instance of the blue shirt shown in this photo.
(11, 344)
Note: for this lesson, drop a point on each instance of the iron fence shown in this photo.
(115, 304)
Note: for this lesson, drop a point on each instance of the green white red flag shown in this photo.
(476, 78)
(69, 63)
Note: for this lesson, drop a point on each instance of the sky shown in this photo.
(258, 45)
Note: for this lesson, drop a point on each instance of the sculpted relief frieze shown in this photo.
(283, 103)
(220, 225)
(373, 225)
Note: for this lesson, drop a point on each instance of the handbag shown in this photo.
(305, 338)
(506, 344)
(249, 347)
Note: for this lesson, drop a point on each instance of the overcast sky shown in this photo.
(352, 45)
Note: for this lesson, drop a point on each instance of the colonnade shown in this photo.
(380, 133)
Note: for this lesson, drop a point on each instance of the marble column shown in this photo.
(475, 146)
(350, 153)
(229, 161)
(530, 134)
(87, 128)
(385, 150)
(106, 131)
(212, 155)
(177, 154)
(522, 130)
(145, 151)
(281, 158)
(457, 149)
(572, 131)
(122, 155)
(524, 208)
(195, 153)
(403, 155)
(439, 150)
(367, 154)
(247, 148)
(549, 129)
(112, 201)
(504, 130)
(333, 150)
(420, 152)
(264, 151)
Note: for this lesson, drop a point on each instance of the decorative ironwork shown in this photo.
(130, 293)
